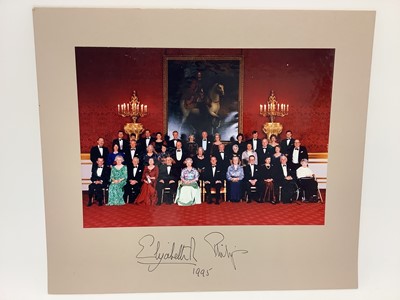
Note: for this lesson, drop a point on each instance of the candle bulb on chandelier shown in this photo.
(118, 108)
(145, 109)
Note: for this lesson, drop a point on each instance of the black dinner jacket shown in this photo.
(207, 151)
(278, 175)
(247, 172)
(142, 143)
(95, 154)
(222, 163)
(125, 145)
(208, 174)
(261, 156)
(179, 163)
(128, 156)
(285, 147)
(105, 174)
(174, 174)
(259, 144)
(139, 173)
(303, 153)
(171, 143)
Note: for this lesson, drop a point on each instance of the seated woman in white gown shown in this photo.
(307, 181)
(188, 192)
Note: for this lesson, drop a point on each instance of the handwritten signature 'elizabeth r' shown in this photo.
(153, 253)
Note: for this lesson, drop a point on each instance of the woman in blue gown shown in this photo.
(235, 175)
(111, 157)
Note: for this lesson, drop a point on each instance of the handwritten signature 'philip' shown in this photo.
(220, 248)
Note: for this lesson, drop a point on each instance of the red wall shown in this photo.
(301, 78)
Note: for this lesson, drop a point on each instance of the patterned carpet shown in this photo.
(227, 213)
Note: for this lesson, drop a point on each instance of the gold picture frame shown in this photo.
(226, 71)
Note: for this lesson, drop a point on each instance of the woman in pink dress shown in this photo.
(148, 193)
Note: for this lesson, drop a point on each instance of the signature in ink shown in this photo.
(153, 253)
(221, 249)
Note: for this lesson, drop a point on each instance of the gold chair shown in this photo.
(213, 190)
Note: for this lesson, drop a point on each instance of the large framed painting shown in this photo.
(203, 94)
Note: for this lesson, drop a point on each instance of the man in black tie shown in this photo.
(100, 177)
(213, 178)
(123, 144)
(167, 178)
(205, 143)
(252, 180)
(222, 158)
(295, 154)
(134, 181)
(255, 141)
(263, 152)
(146, 140)
(285, 178)
(175, 138)
(132, 152)
(98, 151)
(179, 155)
(287, 143)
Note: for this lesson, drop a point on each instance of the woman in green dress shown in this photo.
(118, 177)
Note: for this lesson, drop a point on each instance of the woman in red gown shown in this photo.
(148, 193)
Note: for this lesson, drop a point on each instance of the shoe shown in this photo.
(89, 204)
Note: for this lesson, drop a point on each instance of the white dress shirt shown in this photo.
(254, 144)
(99, 171)
(179, 154)
(204, 144)
(284, 168)
(295, 158)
